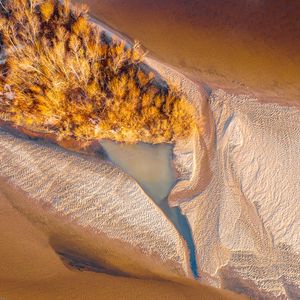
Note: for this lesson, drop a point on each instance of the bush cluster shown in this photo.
(61, 74)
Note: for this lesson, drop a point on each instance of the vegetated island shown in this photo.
(62, 77)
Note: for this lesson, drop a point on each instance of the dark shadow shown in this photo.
(83, 263)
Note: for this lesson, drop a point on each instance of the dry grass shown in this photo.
(62, 75)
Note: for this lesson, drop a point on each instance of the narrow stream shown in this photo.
(150, 165)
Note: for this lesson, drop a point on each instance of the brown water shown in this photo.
(250, 46)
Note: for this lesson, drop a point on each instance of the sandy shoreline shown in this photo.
(47, 225)
(249, 173)
(239, 189)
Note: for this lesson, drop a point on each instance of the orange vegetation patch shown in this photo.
(60, 74)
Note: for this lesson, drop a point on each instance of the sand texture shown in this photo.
(30, 269)
(240, 191)
(246, 221)
(239, 185)
(92, 194)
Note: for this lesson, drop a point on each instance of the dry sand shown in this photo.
(241, 182)
(30, 269)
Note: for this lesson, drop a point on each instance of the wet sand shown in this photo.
(248, 46)
(152, 168)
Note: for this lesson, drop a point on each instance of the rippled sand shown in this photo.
(31, 269)
(246, 220)
(56, 204)
(240, 178)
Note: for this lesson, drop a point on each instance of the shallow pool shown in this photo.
(151, 166)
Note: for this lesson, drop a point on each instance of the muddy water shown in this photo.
(151, 166)
(244, 46)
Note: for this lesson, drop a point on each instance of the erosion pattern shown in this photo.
(246, 220)
(239, 191)
(129, 231)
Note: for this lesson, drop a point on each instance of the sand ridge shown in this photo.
(245, 223)
(243, 213)
(242, 203)
(32, 269)
(79, 188)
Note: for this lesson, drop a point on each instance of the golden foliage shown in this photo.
(80, 26)
(62, 75)
(47, 9)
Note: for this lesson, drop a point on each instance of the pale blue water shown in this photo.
(151, 166)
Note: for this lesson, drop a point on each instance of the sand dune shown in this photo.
(30, 269)
(239, 187)
(80, 189)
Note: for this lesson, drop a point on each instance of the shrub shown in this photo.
(65, 76)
